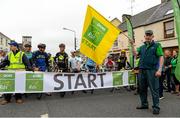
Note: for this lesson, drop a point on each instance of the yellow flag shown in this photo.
(98, 36)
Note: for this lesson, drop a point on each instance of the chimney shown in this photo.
(124, 17)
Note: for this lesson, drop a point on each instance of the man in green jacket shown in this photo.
(150, 65)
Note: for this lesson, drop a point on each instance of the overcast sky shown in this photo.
(44, 19)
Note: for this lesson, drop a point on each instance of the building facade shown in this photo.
(4, 40)
(160, 19)
(26, 40)
(114, 51)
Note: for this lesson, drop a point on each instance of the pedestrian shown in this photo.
(161, 82)
(61, 59)
(173, 65)
(167, 66)
(150, 65)
(15, 60)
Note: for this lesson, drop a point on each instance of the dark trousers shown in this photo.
(8, 97)
(161, 79)
(62, 94)
(176, 82)
(170, 84)
(148, 78)
(137, 77)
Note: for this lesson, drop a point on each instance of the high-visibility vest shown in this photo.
(51, 59)
(15, 61)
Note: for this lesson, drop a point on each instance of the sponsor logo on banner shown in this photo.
(117, 78)
(34, 82)
(131, 77)
(7, 82)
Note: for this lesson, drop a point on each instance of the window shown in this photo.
(6, 42)
(1, 41)
(115, 43)
(169, 29)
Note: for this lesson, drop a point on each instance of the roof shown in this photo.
(152, 15)
(116, 19)
(4, 36)
(27, 36)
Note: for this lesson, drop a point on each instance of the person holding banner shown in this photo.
(110, 64)
(90, 67)
(15, 60)
(61, 59)
(40, 58)
(122, 61)
(2, 57)
(150, 65)
(28, 52)
(51, 62)
(74, 63)
(40, 61)
(123, 64)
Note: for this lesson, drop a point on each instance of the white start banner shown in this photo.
(39, 82)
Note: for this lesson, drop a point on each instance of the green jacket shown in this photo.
(173, 63)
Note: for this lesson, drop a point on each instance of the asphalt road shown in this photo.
(100, 104)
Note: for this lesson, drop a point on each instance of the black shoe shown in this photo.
(155, 112)
(39, 96)
(141, 107)
(112, 90)
(136, 93)
(62, 94)
(128, 89)
(72, 92)
(92, 91)
(84, 91)
(48, 94)
(26, 96)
